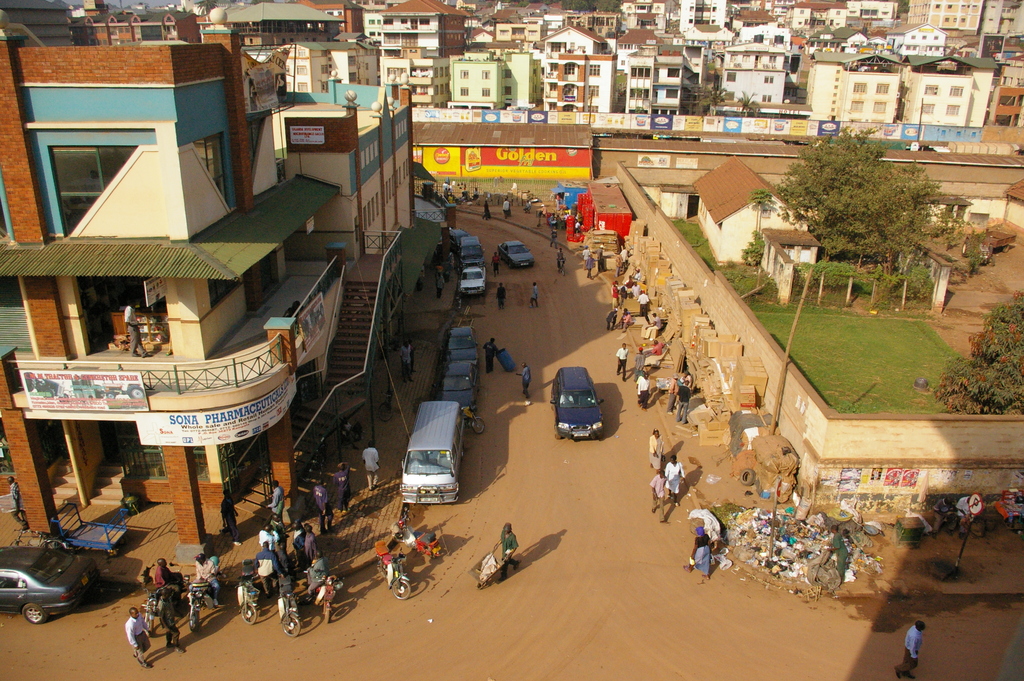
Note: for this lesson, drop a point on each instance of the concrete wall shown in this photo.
(825, 439)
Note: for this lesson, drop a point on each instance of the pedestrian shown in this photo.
(911, 648)
(311, 548)
(658, 494)
(490, 350)
(487, 210)
(643, 390)
(683, 399)
(600, 259)
(560, 261)
(506, 208)
(509, 544)
(615, 294)
(299, 544)
(138, 636)
(673, 393)
(534, 296)
(405, 352)
(618, 264)
(673, 477)
(229, 515)
(525, 373)
(585, 253)
(268, 568)
(645, 304)
(588, 264)
(610, 319)
(501, 296)
(554, 238)
(439, 281)
(621, 356)
(169, 620)
(134, 334)
(700, 558)
(276, 504)
(495, 262)
(656, 450)
(326, 513)
(371, 459)
(341, 484)
(842, 553)
(207, 570)
(627, 320)
(638, 361)
(19, 506)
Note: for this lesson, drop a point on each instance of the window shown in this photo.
(464, 92)
(508, 73)
(595, 91)
(82, 175)
(882, 89)
(672, 93)
(508, 90)
(730, 77)
(486, 75)
(673, 73)
(956, 92)
(464, 74)
(860, 88)
(766, 98)
(640, 72)
(302, 87)
(594, 70)
(856, 106)
(953, 110)
(768, 80)
(927, 108)
(931, 90)
(879, 107)
(301, 70)
(324, 87)
(569, 69)
(485, 92)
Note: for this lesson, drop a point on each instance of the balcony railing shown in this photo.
(378, 241)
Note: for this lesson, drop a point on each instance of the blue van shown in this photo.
(577, 410)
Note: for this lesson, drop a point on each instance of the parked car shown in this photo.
(459, 384)
(39, 582)
(515, 254)
(473, 281)
(471, 252)
(462, 345)
(577, 407)
(455, 237)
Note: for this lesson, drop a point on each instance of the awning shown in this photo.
(224, 250)
(421, 173)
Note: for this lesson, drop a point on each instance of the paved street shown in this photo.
(600, 593)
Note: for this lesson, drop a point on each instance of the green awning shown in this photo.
(241, 241)
(421, 173)
(418, 244)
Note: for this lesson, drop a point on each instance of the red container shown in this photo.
(610, 210)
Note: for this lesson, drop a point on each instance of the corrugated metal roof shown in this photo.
(502, 135)
(110, 259)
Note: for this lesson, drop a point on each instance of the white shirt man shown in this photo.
(371, 459)
(138, 636)
(673, 477)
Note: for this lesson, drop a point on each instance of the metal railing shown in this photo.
(330, 275)
(181, 377)
(432, 215)
(378, 241)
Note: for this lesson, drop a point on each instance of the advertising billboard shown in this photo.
(85, 390)
(509, 162)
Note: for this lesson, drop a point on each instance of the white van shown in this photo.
(430, 473)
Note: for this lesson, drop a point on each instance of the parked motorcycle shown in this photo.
(288, 608)
(426, 543)
(151, 608)
(200, 595)
(325, 595)
(392, 569)
(248, 592)
(474, 421)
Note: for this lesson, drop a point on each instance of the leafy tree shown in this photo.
(991, 380)
(749, 104)
(608, 5)
(857, 204)
(206, 6)
(578, 5)
(711, 98)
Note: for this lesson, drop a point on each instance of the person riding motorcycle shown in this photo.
(164, 577)
(317, 574)
(207, 571)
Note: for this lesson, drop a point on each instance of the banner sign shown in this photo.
(661, 122)
(311, 321)
(156, 289)
(216, 427)
(306, 134)
(265, 83)
(509, 162)
(85, 390)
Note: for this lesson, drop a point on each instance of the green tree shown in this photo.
(749, 104)
(578, 5)
(710, 98)
(857, 204)
(608, 5)
(206, 6)
(991, 380)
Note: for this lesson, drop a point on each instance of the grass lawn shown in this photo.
(691, 232)
(863, 365)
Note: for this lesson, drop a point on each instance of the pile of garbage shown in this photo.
(798, 543)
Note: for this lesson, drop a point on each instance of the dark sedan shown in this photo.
(515, 254)
(459, 384)
(39, 582)
(462, 345)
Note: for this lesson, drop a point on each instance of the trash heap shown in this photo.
(798, 543)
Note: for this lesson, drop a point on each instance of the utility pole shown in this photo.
(783, 373)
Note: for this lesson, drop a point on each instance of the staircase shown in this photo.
(106, 488)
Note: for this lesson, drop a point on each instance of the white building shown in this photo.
(921, 39)
(956, 14)
(429, 78)
(767, 34)
(717, 37)
(578, 72)
(653, 14)
(808, 17)
(631, 42)
(854, 87)
(702, 12)
(875, 12)
(664, 80)
(947, 90)
(755, 70)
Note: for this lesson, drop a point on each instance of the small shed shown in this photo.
(606, 208)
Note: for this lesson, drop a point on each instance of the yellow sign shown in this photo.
(798, 127)
(441, 160)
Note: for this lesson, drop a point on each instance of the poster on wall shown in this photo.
(849, 479)
(265, 81)
(85, 390)
(490, 116)
(780, 126)
(312, 320)
(828, 128)
(640, 122)
(440, 160)
(732, 125)
(654, 161)
(538, 116)
(216, 427)
(565, 117)
(661, 122)
(513, 117)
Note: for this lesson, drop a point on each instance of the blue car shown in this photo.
(459, 384)
(577, 407)
(462, 345)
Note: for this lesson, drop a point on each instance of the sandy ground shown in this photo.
(600, 593)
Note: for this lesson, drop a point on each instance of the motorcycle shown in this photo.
(325, 595)
(151, 608)
(392, 569)
(200, 595)
(426, 543)
(248, 592)
(288, 608)
(474, 421)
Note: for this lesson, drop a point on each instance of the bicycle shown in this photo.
(385, 411)
(43, 539)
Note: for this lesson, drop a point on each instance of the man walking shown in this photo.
(560, 261)
(534, 296)
(621, 355)
(134, 335)
(658, 494)
(588, 264)
(341, 484)
(615, 294)
(656, 450)
(506, 208)
(912, 646)
(490, 350)
(501, 296)
(638, 360)
(405, 352)
(229, 515)
(326, 513)
(643, 390)
(673, 478)
(645, 304)
(371, 459)
(509, 544)
(169, 620)
(138, 636)
(439, 282)
(525, 373)
(495, 263)
(276, 504)
(554, 238)
(610, 319)
(682, 400)
(19, 507)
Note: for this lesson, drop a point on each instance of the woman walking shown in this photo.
(701, 556)
(487, 210)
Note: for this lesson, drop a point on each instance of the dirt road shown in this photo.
(600, 593)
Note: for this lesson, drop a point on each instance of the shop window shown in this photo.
(209, 150)
(202, 466)
(82, 174)
(139, 461)
(219, 289)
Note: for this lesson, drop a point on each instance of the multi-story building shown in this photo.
(946, 90)
(767, 34)
(702, 13)
(632, 42)
(607, 25)
(1001, 17)
(47, 21)
(779, 8)
(578, 72)
(652, 14)
(837, 40)
(495, 79)
(757, 71)
(961, 15)
(128, 27)
(525, 32)
(854, 87)
(808, 17)
(348, 11)
(423, 29)
(312, 66)
(152, 182)
(921, 39)
(273, 23)
(429, 78)
(664, 80)
(1009, 96)
(872, 12)
(716, 37)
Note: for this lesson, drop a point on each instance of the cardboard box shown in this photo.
(729, 348)
(747, 397)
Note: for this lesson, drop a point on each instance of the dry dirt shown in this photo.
(600, 593)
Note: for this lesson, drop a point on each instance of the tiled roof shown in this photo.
(639, 36)
(425, 7)
(1016, 191)
(726, 189)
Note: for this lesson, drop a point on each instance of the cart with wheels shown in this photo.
(90, 535)
(487, 570)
